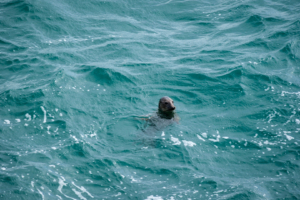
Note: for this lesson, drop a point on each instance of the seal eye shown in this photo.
(166, 103)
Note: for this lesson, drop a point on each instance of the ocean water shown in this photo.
(76, 76)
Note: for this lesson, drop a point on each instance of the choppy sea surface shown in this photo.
(77, 76)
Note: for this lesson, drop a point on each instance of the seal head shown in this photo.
(166, 107)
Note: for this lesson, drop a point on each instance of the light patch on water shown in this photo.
(200, 138)
(133, 180)
(119, 194)
(52, 166)
(48, 128)
(216, 140)
(188, 143)
(297, 121)
(61, 185)
(285, 92)
(93, 135)
(163, 134)
(45, 114)
(271, 116)
(41, 194)
(151, 197)
(32, 184)
(289, 137)
(78, 194)
(269, 143)
(18, 120)
(25, 124)
(28, 117)
(60, 114)
(3, 168)
(204, 135)
(6, 121)
(267, 89)
(175, 140)
(76, 140)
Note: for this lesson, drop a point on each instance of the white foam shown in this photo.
(163, 134)
(200, 138)
(18, 120)
(133, 180)
(175, 140)
(61, 185)
(28, 117)
(45, 116)
(74, 138)
(3, 168)
(204, 135)
(151, 197)
(82, 189)
(93, 135)
(215, 140)
(78, 194)
(48, 128)
(52, 166)
(6, 121)
(285, 92)
(289, 137)
(41, 194)
(188, 143)
(297, 121)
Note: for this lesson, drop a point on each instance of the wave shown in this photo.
(109, 76)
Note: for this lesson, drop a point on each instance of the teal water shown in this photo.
(75, 76)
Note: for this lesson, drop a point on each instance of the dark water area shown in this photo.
(77, 76)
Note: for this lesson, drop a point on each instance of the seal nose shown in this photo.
(173, 108)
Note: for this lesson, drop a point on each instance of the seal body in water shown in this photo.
(163, 117)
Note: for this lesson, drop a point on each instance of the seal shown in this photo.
(163, 117)
(164, 113)
(166, 108)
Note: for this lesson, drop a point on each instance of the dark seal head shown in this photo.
(166, 107)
